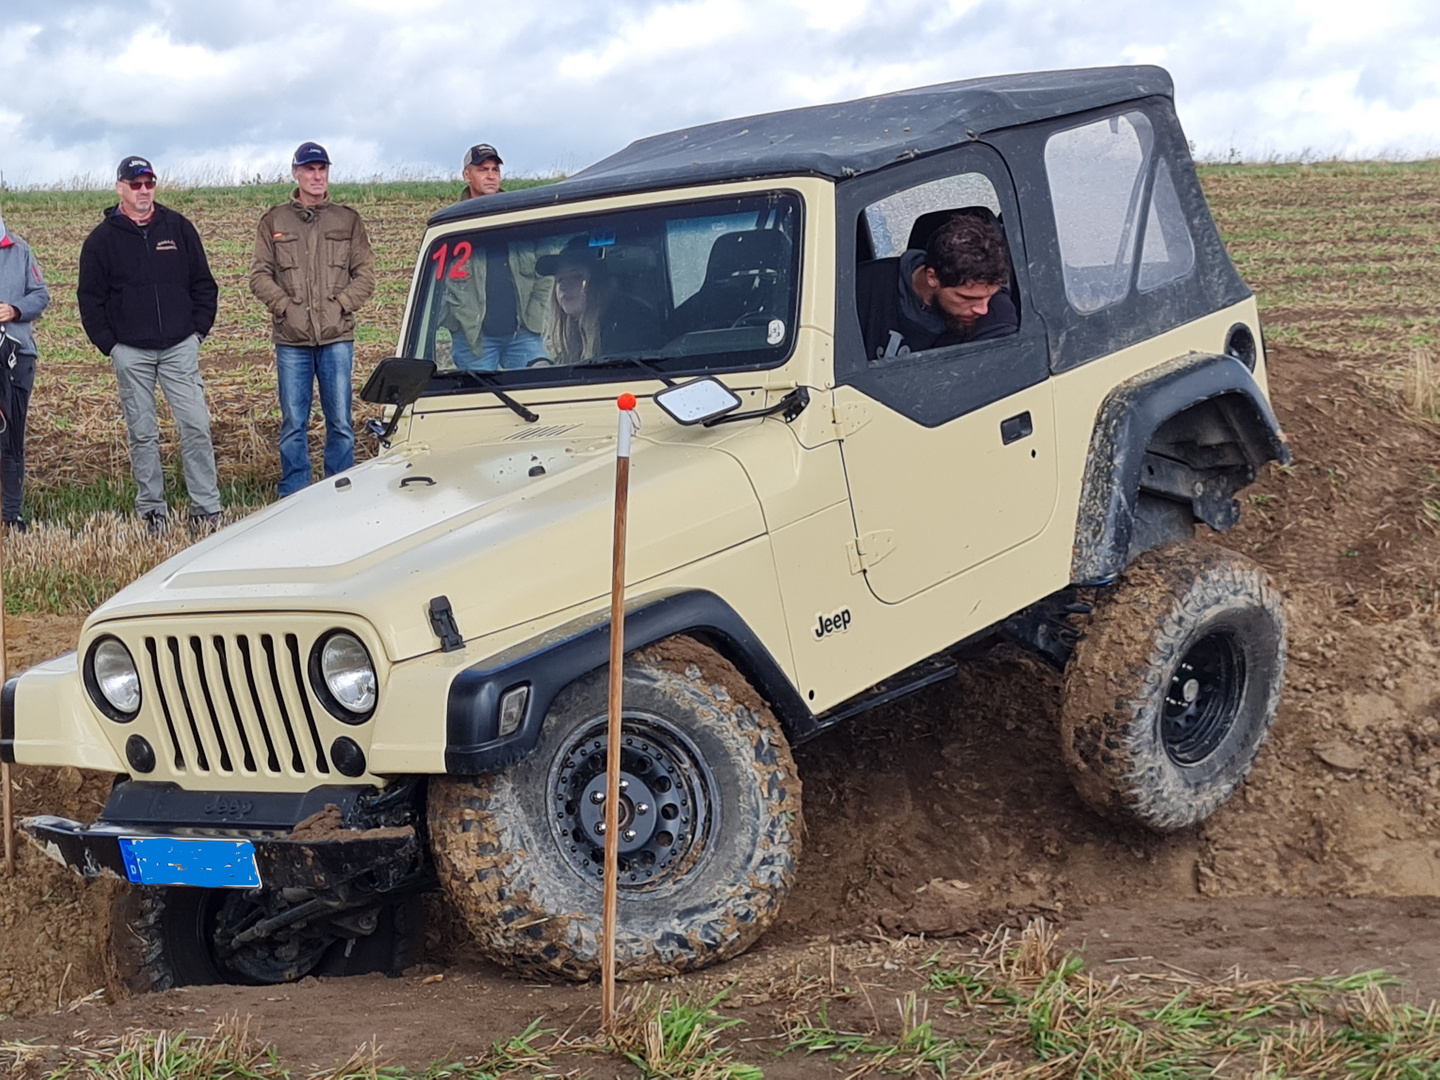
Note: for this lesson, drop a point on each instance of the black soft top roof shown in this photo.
(836, 141)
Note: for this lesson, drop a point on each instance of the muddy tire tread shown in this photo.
(1121, 670)
(507, 898)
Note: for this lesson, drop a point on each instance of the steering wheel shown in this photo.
(752, 318)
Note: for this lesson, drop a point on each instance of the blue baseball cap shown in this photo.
(309, 153)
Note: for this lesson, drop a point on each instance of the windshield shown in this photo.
(704, 285)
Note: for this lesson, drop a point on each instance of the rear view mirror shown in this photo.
(398, 381)
(697, 401)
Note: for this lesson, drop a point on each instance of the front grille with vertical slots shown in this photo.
(236, 703)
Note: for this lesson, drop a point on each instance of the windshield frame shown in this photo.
(422, 311)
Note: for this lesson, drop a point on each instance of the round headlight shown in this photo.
(116, 677)
(348, 673)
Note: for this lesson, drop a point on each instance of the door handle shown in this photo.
(1016, 428)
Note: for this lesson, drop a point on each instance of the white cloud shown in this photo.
(409, 84)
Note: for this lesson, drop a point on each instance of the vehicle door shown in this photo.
(949, 453)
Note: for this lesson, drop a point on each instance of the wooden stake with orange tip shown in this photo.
(609, 916)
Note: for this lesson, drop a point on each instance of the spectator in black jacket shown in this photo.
(956, 290)
(147, 300)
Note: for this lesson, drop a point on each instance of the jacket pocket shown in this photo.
(287, 265)
(337, 261)
(134, 314)
(335, 322)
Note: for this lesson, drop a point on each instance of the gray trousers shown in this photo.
(177, 370)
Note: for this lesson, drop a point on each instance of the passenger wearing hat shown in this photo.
(147, 300)
(495, 307)
(589, 316)
(312, 268)
(23, 296)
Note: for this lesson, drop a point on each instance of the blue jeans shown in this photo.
(497, 353)
(298, 368)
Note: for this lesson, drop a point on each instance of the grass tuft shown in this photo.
(1422, 383)
(65, 569)
(668, 1036)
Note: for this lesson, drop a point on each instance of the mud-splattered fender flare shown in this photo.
(1124, 426)
(550, 662)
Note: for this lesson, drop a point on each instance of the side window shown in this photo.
(1097, 176)
(1169, 253)
(893, 219)
(901, 313)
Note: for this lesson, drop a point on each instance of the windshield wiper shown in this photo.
(626, 361)
(482, 378)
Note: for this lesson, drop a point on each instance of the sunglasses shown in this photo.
(136, 185)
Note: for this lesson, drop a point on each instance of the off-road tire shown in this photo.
(160, 938)
(504, 852)
(1174, 686)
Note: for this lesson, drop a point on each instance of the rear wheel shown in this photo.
(709, 818)
(1174, 686)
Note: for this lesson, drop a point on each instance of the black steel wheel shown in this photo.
(668, 802)
(709, 817)
(1174, 686)
(1203, 698)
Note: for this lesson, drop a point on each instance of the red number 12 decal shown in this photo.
(463, 251)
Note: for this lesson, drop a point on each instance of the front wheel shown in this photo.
(177, 936)
(709, 818)
(1174, 686)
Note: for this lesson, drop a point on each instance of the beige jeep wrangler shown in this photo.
(395, 679)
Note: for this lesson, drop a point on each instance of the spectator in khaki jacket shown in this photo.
(495, 309)
(313, 268)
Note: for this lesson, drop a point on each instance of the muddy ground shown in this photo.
(950, 812)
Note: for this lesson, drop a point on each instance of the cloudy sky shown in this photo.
(222, 91)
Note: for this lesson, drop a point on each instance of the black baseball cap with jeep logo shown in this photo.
(132, 168)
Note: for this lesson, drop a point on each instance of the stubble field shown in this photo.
(944, 845)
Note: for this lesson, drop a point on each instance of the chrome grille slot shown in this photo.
(195, 696)
(213, 673)
(292, 645)
(260, 668)
(246, 700)
(175, 745)
(218, 667)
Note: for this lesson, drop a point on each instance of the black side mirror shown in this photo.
(398, 381)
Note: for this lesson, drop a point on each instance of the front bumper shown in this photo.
(378, 860)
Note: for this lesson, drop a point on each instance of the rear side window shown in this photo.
(1097, 177)
(1169, 253)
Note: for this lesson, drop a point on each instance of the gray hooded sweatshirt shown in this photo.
(22, 286)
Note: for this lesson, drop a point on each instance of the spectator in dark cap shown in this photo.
(312, 268)
(481, 171)
(495, 311)
(147, 300)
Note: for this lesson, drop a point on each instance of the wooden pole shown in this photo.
(609, 917)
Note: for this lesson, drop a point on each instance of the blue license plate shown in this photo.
(205, 863)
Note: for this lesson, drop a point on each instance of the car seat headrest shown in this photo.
(754, 251)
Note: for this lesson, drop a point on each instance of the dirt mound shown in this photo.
(55, 928)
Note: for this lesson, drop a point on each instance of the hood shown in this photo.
(509, 532)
